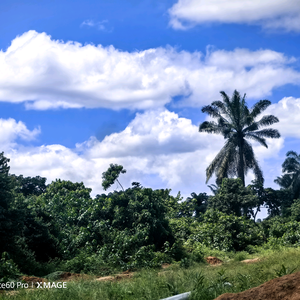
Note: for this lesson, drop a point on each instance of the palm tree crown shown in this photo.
(291, 179)
(236, 122)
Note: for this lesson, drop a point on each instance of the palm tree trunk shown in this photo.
(241, 173)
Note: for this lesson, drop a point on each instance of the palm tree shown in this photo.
(291, 179)
(214, 188)
(237, 123)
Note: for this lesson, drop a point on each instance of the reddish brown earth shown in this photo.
(66, 276)
(283, 288)
(213, 260)
(32, 279)
(124, 275)
(251, 261)
(165, 266)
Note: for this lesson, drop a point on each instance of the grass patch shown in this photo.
(206, 282)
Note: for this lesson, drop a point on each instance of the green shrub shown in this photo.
(8, 269)
(226, 232)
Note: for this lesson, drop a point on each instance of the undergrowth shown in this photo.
(206, 282)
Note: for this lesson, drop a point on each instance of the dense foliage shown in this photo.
(59, 226)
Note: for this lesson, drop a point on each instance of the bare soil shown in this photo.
(32, 279)
(282, 288)
(213, 260)
(65, 276)
(124, 275)
(251, 261)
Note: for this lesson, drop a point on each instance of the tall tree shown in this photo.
(236, 122)
(291, 177)
(111, 175)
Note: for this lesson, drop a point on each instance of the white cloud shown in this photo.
(279, 14)
(158, 149)
(287, 111)
(167, 152)
(100, 25)
(10, 131)
(151, 133)
(45, 74)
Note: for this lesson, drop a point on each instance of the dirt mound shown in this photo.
(250, 261)
(213, 260)
(124, 275)
(165, 266)
(283, 288)
(60, 276)
(32, 279)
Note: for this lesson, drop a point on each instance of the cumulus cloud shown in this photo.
(287, 111)
(10, 131)
(151, 133)
(158, 149)
(279, 14)
(48, 74)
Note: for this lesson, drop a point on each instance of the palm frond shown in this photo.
(221, 106)
(212, 111)
(252, 127)
(218, 161)
(225, 97)
(291, 165)
(267, 133)
(258, 172)
(293, 154)
(291, 179)
(257, 138)
(267, 121)
(251, 161)
(259, 107)
(210, 127)
(285, 181)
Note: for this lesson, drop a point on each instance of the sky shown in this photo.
(84, 84)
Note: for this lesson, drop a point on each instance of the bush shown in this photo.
(227, 232)
(8, 269)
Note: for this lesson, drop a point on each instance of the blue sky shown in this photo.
(87, 83)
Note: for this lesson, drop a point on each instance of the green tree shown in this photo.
(111, 175)
(226, 232)
(291, 179)
(29, 185)
(236, 122)
(295, 210)
(136, 222)
(5, 182)
(194, 205)
(278, 202)
(10, 221)
(69, 208)
(234, 198)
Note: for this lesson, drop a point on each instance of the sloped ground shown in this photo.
(283, 288)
